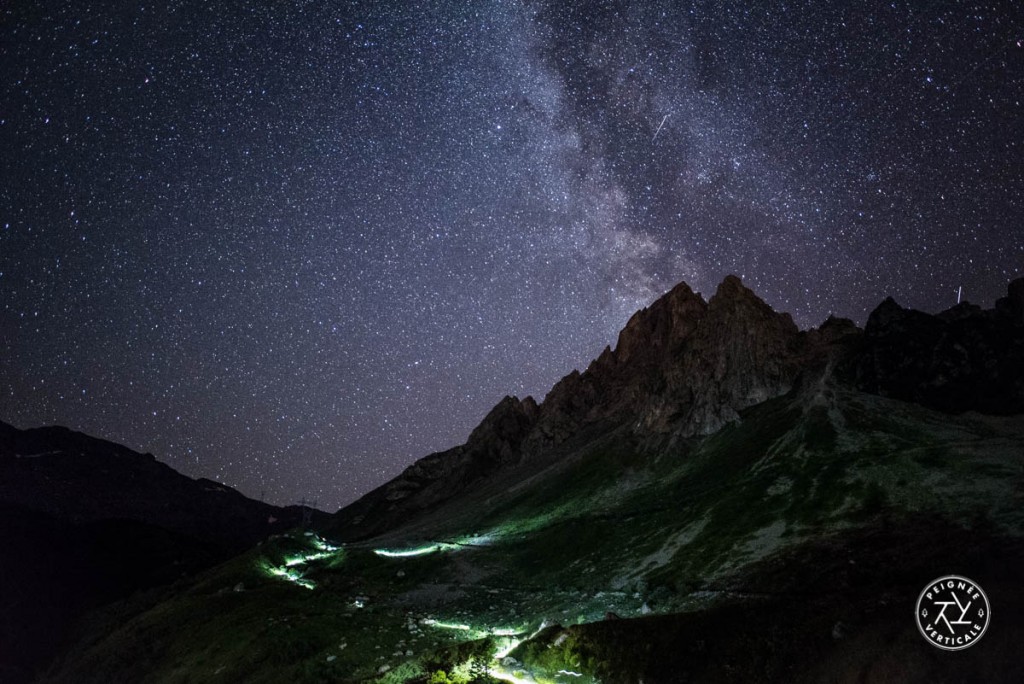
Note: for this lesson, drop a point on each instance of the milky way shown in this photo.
(293, 247)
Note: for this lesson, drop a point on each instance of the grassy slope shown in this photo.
(613, 528)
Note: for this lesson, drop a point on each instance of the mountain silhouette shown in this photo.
(720, 497)
(87, 521)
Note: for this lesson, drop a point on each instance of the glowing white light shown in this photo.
(405, 553)
(299, 560)
(501, 653)
(505, 632)
(291, 576)
(457, 545)
(509, 677)
(513, 643)
(286, 572)
(447, 625)
(324, 546)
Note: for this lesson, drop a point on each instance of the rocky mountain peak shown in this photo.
(732, 286)
(505, 426)
(965, 358)
(740, 353)
(656, 328)
(1011, 307)
(885, 315)
(733, 295)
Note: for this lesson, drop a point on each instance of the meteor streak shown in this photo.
(660, 126)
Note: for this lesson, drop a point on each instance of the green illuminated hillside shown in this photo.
(779, 534)
(839, 493)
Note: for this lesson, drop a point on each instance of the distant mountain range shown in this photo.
(721, 497)
(86, 521)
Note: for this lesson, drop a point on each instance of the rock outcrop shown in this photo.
(494, 444)
(738, 354)
(963, 359)
(682, 366)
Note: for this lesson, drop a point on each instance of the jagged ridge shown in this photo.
(685, 367)
(682, 367)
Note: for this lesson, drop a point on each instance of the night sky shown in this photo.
(295, 246)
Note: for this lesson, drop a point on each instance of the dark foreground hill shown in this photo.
(86, 521)
(721, 497)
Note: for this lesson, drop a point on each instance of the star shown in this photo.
(277, 249)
